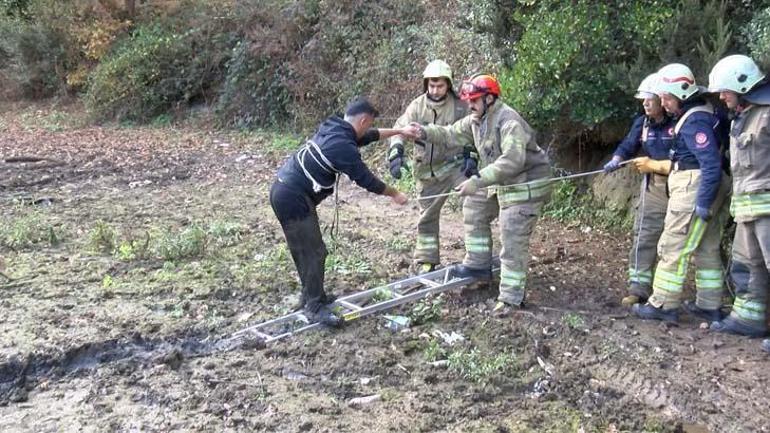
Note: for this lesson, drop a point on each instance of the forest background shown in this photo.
(570, 67)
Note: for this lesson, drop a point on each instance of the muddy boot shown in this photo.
(766, 346)
(503, 309)
(632, 300)
(637, 294)
(324, 316)
(424, 268)
(649, 312)
(462, 271)
(702, 313)
(728, 325)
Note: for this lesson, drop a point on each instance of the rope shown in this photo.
(553, 179)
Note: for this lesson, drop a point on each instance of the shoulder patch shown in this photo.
(701, 140)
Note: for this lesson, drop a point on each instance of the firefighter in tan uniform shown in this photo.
(697, 190)
(509, 155)
(437, 167)
(740, 85)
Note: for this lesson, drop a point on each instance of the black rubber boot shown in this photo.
(649, 312)
(324, 316)
(462, 271)
(702, 313)
(728, 325)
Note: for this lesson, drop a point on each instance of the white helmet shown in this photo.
(647, 87)
(437, 69)
(737, 73)
(678, 80)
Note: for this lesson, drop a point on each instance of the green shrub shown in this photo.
(757, 34)
(573, 59)
(571, 203)
(34, 56)
(189, 243)
(165, 64)
(101, 238)
(254, 93)
(27, 230)
(481, 367)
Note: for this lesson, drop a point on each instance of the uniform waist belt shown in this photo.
(686, 165)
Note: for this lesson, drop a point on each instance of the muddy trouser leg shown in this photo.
(478, 213)
(427, 248)
(682, 233)
(749, 272)
(648, 226)
(517, 222)
(709, 272)
(309, 253)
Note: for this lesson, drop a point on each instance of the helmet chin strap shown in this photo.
(485, 105)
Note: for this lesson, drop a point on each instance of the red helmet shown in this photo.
(479, 85)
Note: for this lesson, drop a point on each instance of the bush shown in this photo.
(34, 58)
(168, 64)
(757, 34)
(571, 56)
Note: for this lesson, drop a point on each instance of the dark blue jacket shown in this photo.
(697, 146)
(337, 140)
(658, 143)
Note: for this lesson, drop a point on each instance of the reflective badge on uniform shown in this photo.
(701, 140)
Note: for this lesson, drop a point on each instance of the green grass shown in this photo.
(427, 310)
(27, 230)
(480, 367)
(573, 320)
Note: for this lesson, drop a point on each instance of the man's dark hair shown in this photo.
(360, 105)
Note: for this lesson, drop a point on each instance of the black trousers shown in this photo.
(299, 220)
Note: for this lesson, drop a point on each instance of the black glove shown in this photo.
(396, 159)
(395, 167)
(470, 164)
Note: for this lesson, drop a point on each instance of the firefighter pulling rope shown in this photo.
(553, 179)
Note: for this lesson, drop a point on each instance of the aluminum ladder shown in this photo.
(354, 306)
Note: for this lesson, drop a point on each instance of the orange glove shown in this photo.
(646, 165)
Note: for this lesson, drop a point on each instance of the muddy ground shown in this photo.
(129, 252)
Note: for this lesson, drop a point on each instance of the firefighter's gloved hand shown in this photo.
(703, 213)
(395, 167)
(396, 160)
(470, 166)
(612, 165)
(470, 186)
(647, 165)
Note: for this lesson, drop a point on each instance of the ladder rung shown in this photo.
(349, 305)
(430, 283)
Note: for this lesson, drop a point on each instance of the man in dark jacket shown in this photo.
(652, 134)
(309, 176)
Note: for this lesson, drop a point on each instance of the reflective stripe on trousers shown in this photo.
(427, 249)
(648, 226)
(517, 222)
(749, 272)
(686, 236)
